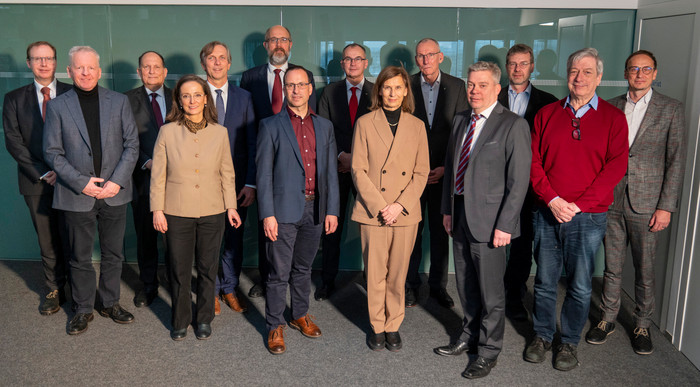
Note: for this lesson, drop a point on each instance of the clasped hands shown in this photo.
(109, 190)
(390, 214)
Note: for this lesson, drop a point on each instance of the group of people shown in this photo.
(493, 166)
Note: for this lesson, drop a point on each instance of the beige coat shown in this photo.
(192, 174)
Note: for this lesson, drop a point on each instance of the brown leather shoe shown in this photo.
(306, 326)
(217, 306)
(275, 341)
(234, 303)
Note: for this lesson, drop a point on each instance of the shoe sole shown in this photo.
(302, 332)
(448, 354)
(393, 348)
(178, 338)
(644, 352)
(202, 337)
(565, 369)
(589, 341)
(49, 312)
(106, 315)
(277, 353)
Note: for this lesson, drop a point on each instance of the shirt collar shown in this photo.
(271, 68)
(437, 81)
(292, 114)
(224, 89)
(160, 92)
(527, 90)
(486, 113)
(593, 102)
(51, 85)
(645, 99)
(349, 85)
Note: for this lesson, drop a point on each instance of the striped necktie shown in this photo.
(464, 155)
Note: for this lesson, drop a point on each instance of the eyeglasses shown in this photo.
(513, 65)
(278, 40)
(349, 60)
(48, 59)
(576, 133)
(189, 97)
(428, 56)
(636, 69)
(291, 86)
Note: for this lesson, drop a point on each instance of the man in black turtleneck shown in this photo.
(91, 142)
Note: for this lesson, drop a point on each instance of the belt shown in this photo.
(310, 198)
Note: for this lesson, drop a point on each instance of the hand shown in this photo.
(270, 228)
(390, 213)
(159, 222)
(435, 175)
(50, 178)
(109, 190)
(91, 189)
(148, 164)
(248, 195)
(447, 223)
(233, 218)
(500, 238)
(659, 220)
(344, 161)
(331, 224)
(562, 210)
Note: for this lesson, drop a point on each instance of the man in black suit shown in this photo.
(439, 96)
(151, 104)
(22, 119)
(264, 83)
(525, 100)
(343, 102)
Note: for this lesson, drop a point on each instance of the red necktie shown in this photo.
(156, 110)
(277, 93)
(464, 155)
(353, 105)
(47, 97)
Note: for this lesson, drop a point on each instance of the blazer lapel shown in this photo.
(320, 150)
(440, 104)
(419, 101)
(365, 97)
(73, 106)
(646, 121)
(33, 102)
(487, 131)
(381, 125)
(402, 135)
(105, 103)
(341, 103)
(288, 129)
(146, 101)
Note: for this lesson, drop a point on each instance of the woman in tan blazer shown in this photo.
(193, 191)
(389, 168)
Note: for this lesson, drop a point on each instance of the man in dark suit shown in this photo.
(150, 104)
(23, 122)
(644, 199)
(524, 99)
(264, 83)
(343, 102)
(91, 141)
(234, 108)
(487, 172)
(297, 181)
(439, 96)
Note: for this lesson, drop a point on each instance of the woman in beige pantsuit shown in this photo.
(390, 168)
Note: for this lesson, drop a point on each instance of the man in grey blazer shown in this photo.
(297, 181)
(91, 142)
(644, 199)
(487, 171)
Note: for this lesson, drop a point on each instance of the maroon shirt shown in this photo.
(306, 138)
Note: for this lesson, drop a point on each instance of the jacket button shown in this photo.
(196, 186)
(196, 155)
(383, 190)
(384, 171)
(403, 173)
(302, 191)
(196, 171)
(90, 154)
(92, 173)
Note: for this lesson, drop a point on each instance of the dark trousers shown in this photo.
(50, 232)
(195, 240)
(232, 256)
(520, 258)
(479, 270)
(263, 266)
(291, 255)
(146, 242)
(330, 253)
(439, 242)
(80, 226)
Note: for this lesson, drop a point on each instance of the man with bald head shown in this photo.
(91, 142)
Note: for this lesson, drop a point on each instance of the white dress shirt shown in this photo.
(635, 114)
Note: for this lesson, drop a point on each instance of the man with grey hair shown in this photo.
(91, 142)
(487, 170)
(579, 154)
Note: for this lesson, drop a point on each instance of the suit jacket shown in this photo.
(497, 176)
(280, 174)
(192, 174)
(67, 148)
(148, 132)
(255, 82)
(538, 100)
(24, 130)
(657, 157)
(333, 105)
(452, 99)
(389, 169)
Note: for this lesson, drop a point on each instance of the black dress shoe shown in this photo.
(375, 341)
(442, 298)
(257, 291)
(79, 323)
(411, 297)
(51, 303)
(178, 334)
(393, 341)
(145, 298)
(323, 292)
(479, 368)
(455, 349)
(117, 314)
(203, 331)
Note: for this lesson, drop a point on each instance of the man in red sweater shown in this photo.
(579, 154)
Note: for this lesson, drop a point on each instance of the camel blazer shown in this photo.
(192, 174)
(387, 169)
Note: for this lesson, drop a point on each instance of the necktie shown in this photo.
(47, 96)
(220, 110)
(156, 110)
(353, 105)
(464, 155)
(277, 93)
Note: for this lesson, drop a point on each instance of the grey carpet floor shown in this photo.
(36, 350)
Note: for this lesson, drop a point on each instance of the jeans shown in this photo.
(573, 246)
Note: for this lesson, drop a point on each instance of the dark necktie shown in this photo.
(220, 110)
(277, 93)
(47, 96)
(156, 110)
(353, 105)
(464, 155)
